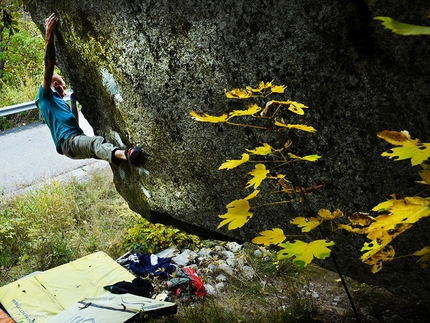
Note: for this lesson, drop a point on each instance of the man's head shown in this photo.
(58, 85)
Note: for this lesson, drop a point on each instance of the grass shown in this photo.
(61, 222)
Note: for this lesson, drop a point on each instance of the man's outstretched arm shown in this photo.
(50, 24)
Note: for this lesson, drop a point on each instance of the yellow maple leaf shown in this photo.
(417, 151)
(259, 173)
(266, 149)
(209, 118)
(238, 212)
(297, 107)
(232, 163)
(407, 210)
(238, 94)
(306, 224)
(278, 88)
(425, 256)
(377, 260)
(311, 158)
(303, 252)
(268, 237)
(385, 205)
(328, 215)
(252, 109)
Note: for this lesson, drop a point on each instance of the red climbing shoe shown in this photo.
(132, 155)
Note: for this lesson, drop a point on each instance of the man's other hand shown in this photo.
(50, 24)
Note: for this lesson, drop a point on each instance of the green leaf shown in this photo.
(402, 28)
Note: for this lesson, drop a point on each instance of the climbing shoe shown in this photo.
(133, 155)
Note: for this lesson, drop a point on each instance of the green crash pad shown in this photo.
(75, 289)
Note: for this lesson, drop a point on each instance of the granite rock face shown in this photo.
(140, 67)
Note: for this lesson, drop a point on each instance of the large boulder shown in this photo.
(140, 67)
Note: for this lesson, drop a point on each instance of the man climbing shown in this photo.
(62, 121)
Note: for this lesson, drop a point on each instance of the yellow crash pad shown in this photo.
(40, 297)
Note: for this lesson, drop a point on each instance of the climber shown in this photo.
(62, 120)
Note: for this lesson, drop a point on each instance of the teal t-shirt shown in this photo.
(57, 115)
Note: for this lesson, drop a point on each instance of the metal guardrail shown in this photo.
(17, 108)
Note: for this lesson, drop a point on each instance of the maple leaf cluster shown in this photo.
(396, 215)
(263, 90)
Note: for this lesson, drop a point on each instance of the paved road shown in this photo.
(28, 157)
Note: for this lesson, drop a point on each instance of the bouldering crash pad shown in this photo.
(55, 294)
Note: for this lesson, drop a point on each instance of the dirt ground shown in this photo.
(373, 304)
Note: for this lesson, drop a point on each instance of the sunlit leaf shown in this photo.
(306, 224)
(385, 205)
(424, 253)
(238, 94)
(278, 88)
(232, 163)
(238, 213)
(311, 158)
(252, 109)
(259, 173)
(297, 107)
(417, 151)
(209, 118)
(303, 253)
(402, 28)
(268, 84)
(407, 210)
(268, 237)
(266, 149)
